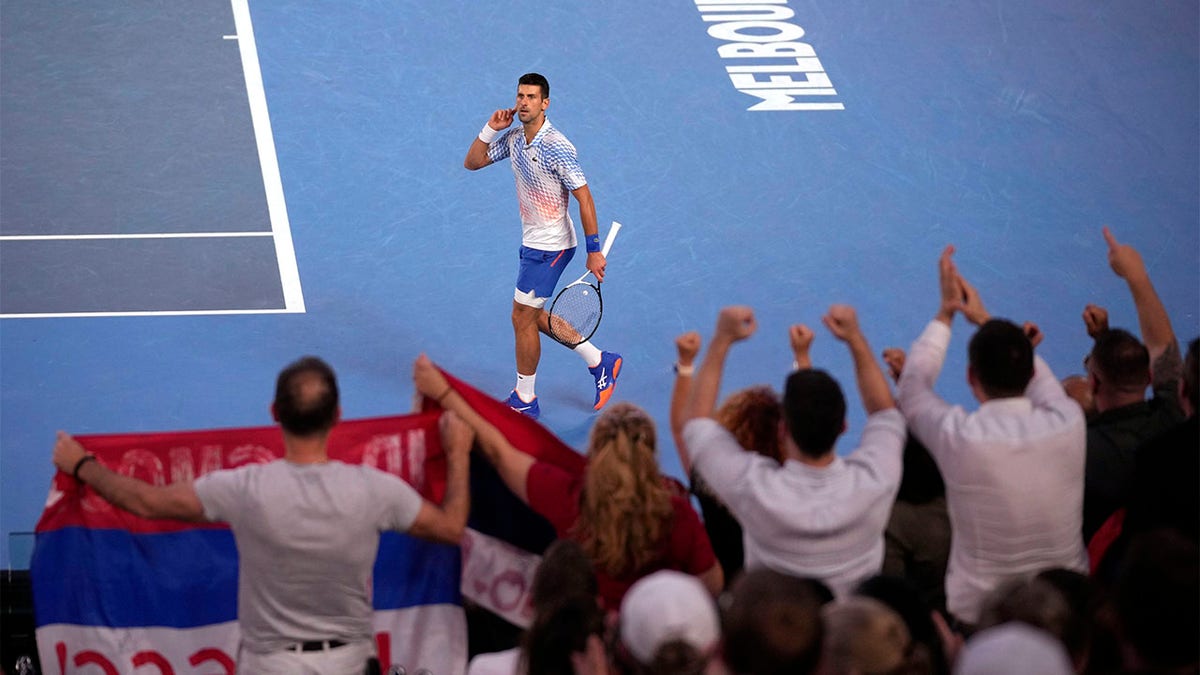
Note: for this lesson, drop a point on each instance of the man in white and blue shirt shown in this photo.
(546, 170)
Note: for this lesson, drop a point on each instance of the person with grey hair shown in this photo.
(1038, 602)
(863, 636)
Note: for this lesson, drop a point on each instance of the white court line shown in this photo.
(285, 252)
(152, 235)
(171, 312)
(289, 273)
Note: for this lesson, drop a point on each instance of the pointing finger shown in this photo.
(1108, 237)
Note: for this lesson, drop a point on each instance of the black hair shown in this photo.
(536, 79)
(559, 631)
(1121, 360)
(302, 408)
(565, 570)
(1002, 357)
(815, 410)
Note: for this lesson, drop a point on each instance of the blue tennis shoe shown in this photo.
(606, 373)
(530, 409)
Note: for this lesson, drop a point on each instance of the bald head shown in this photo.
(306, 397)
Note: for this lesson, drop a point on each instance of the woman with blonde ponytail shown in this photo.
(620, 510)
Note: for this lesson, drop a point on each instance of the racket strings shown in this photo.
(575, 314)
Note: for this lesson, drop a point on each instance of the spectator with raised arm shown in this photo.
(620, 510)
(752, 415)
(1013, 468)
(816, 515)
(1120, 368)
(306, 527)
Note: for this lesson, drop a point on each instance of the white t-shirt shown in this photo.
(821, 522)
(546, 171)
(1013, 471)
(306, 535)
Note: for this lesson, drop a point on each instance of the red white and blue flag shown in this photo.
(115, 593)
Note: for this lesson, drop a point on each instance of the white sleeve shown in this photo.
(923, 409)
(881, 451)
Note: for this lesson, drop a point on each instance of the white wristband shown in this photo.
(488, 134)
(685, 371)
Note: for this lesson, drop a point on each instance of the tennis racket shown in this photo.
(576, 311)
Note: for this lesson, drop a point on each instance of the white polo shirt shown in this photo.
(546, 170)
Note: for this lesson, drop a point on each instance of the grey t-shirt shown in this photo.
(306, 535)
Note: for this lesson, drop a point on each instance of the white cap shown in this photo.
(667, 606)
(1013, 647)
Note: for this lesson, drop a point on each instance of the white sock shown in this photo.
(525, 387)
(590, 354)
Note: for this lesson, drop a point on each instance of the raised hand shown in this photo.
(67, 452)
(501, 119)
(1095, 318)
(842, 321)
(427, 378)
(948, 282)
(1034, 333)
(972, 304)
(894, 357)
(801, 339)
(1124, 259)
(736, 323)
(687, 346)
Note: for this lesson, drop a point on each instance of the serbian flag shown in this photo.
(505, 538)
(115, 593)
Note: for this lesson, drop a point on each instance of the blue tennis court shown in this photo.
(193, 195)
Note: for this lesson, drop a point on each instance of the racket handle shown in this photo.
(612, 234)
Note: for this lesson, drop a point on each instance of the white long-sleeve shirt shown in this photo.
(1013, 471)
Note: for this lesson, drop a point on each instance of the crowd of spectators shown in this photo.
(1047, 527)
(1050, 526)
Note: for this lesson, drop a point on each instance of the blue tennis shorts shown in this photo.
(539, 274)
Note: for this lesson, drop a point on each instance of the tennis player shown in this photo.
(546, 170)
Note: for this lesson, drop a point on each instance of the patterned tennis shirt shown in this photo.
(546, 171)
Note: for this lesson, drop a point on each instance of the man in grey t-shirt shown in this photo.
(307, 528)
